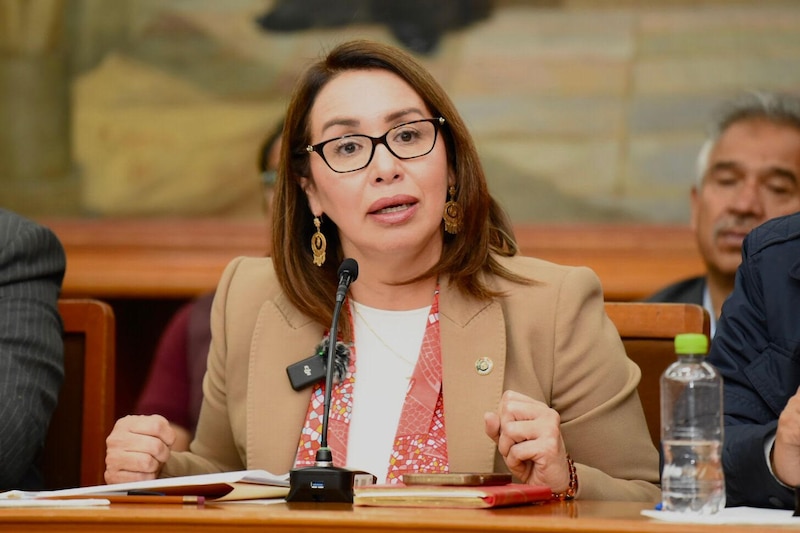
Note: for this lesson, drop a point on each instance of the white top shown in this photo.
(710, 309)
(387, 345)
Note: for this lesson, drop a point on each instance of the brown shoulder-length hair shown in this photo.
(466, 256)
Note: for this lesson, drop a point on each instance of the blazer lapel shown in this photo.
(273, 429)
(472, 334)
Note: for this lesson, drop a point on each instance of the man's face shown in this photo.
(753, 175)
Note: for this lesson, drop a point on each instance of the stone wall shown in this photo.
(582, 111)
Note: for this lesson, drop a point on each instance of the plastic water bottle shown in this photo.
(692, 479)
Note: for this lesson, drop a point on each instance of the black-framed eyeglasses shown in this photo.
(354, 152)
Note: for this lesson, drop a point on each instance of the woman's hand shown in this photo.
(137, 448)
(528, 436)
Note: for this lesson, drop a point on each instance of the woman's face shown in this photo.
(392, 207)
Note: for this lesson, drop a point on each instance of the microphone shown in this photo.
(325, 482)
(314, 368)
(348, 272)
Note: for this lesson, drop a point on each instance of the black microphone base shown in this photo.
(323, 484)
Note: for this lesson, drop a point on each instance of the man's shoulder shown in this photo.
(35, 250)
(11, 224)
(774, 231)
(689, 290)
(6, 215)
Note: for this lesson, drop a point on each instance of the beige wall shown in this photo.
(582, 110)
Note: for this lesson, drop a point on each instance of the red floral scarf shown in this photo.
(420, 444)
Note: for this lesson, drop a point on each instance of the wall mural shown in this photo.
(580, 112)
(416, 24)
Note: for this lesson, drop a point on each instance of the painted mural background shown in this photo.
(582, 110)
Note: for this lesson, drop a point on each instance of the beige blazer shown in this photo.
(550, 340)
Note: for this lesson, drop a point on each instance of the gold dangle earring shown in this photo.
(453, 216)
(318, 244)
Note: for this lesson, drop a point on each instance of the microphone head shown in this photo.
(349, 268)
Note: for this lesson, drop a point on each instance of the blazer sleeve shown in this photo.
(32, 264)
(214, 447)
(594, 389)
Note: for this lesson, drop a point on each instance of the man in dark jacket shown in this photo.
(757, 350)
(747, 173)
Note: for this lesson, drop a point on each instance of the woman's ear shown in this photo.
(307, 184)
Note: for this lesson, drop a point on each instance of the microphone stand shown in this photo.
(325, 482)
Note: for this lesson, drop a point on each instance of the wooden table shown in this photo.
(573, 517)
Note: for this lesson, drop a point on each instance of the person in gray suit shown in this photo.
(748, 171)
(32, 264)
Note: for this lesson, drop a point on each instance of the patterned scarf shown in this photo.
(420, 444)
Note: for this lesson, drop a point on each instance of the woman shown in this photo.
(452, 337)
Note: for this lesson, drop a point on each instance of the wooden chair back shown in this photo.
(648, 331)
(74, 451)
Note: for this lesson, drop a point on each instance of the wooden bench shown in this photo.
(182, 258)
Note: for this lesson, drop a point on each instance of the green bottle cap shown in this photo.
(691, 343)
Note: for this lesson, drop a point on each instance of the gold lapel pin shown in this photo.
(484, 366)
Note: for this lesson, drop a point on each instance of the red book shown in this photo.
(475, 497)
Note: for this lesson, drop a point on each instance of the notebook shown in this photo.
(472, 497)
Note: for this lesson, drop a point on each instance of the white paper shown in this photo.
(261, 477)
(729, 515)
(16, 498)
